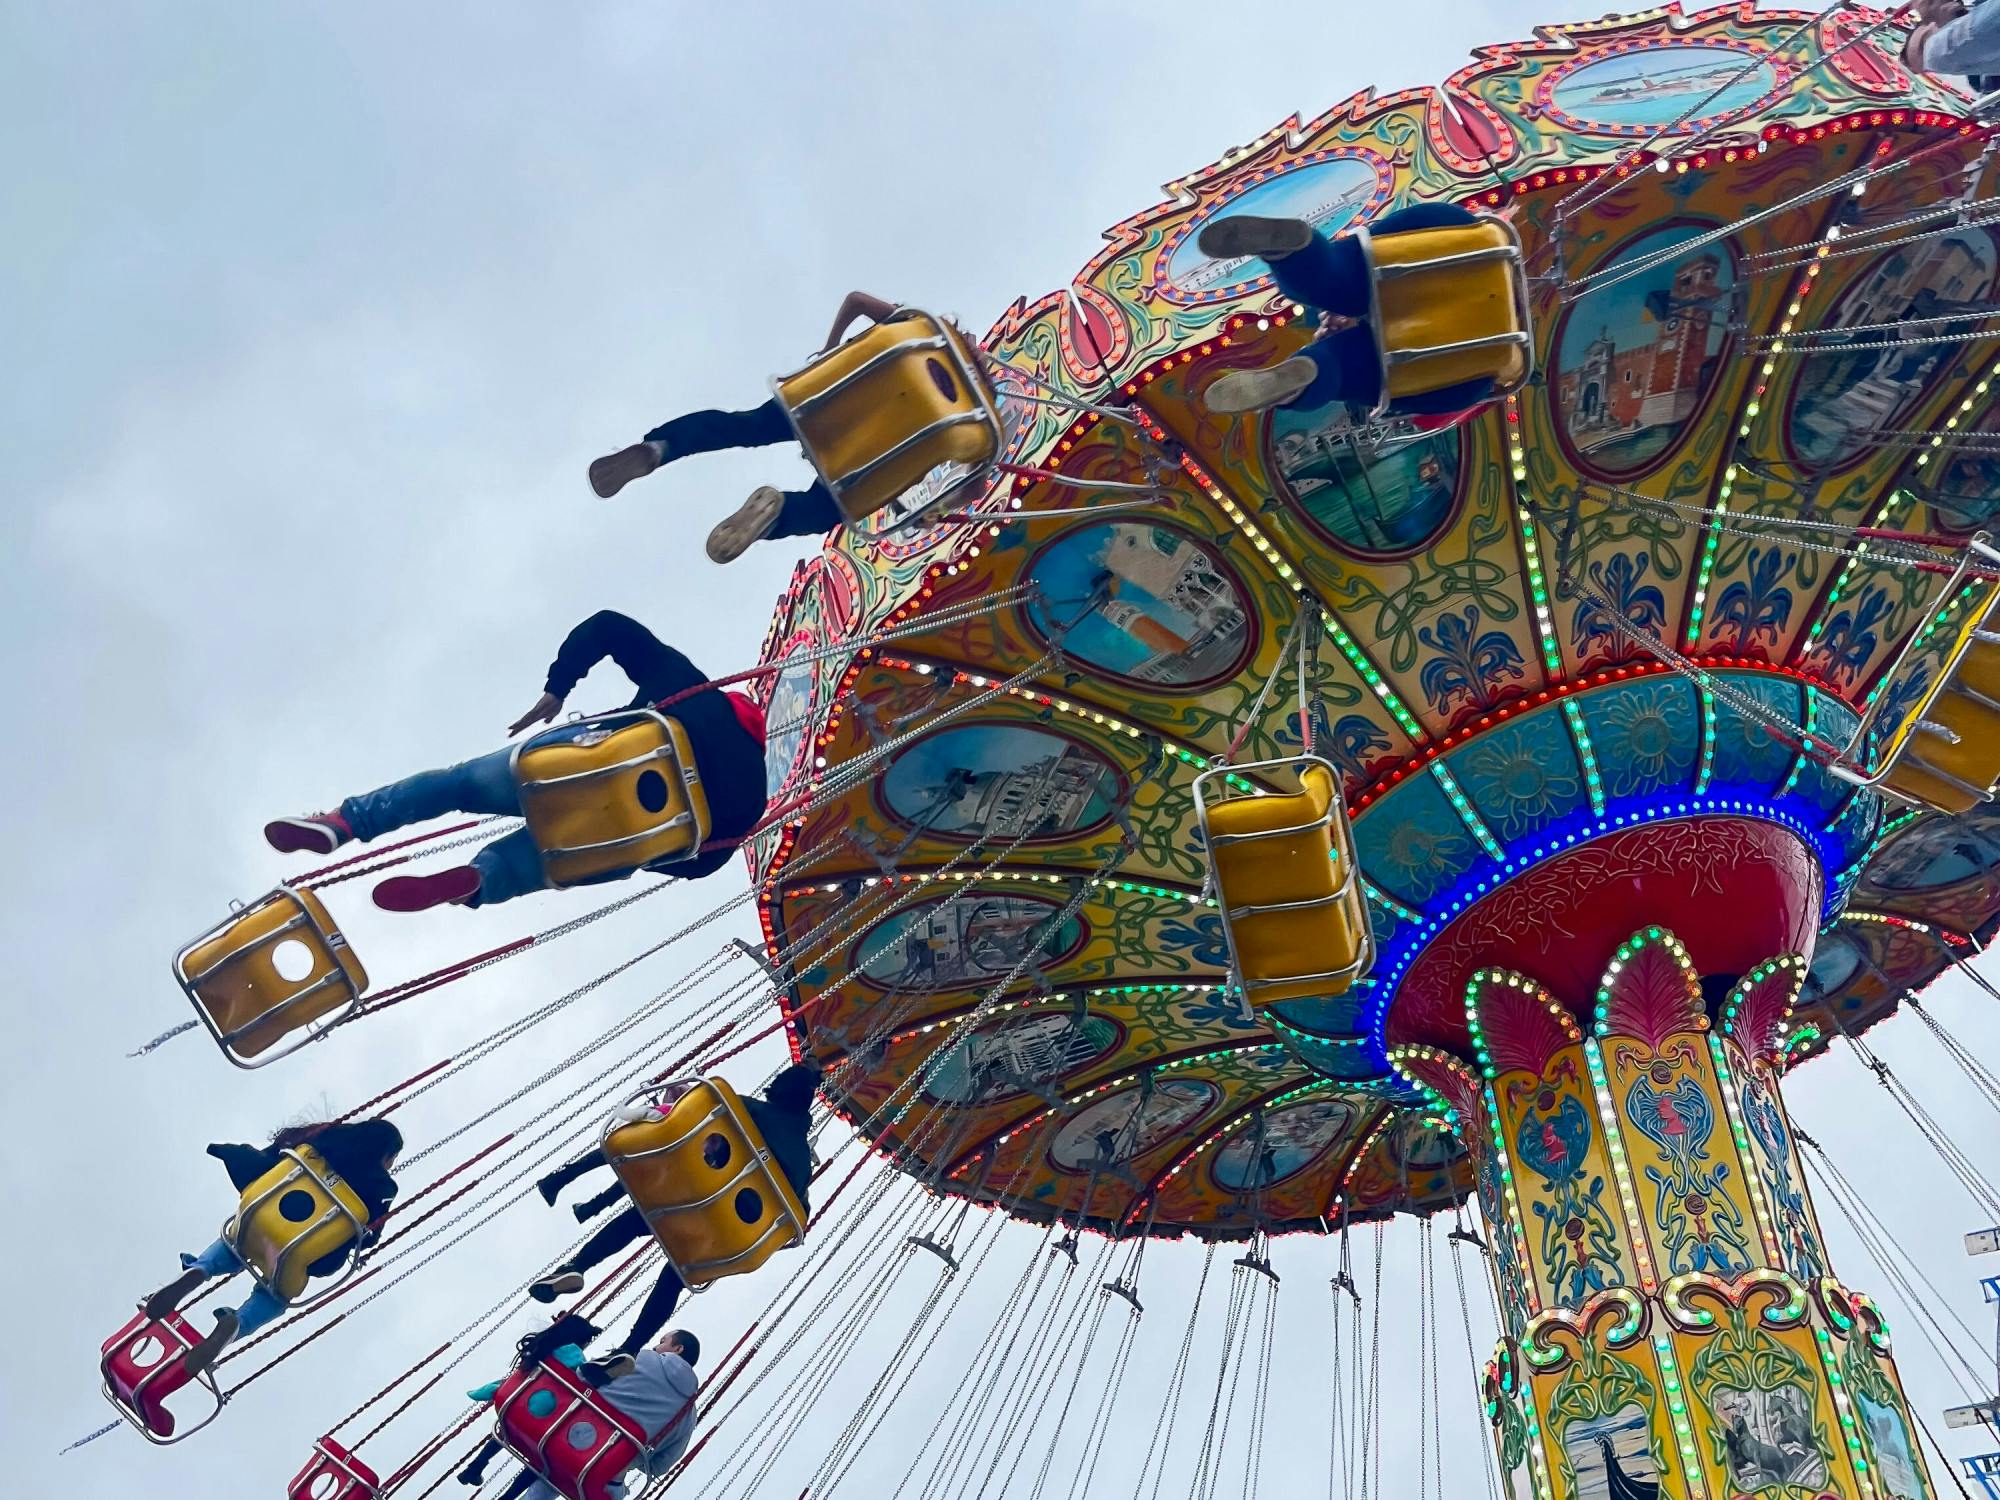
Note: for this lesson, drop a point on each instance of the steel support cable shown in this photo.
(1981, 1077)
(1839, 248)
(1425, 1310)
(983, 1240)
(956, 1462)
(1954, 1363)
(1866, 172)
(1243, 1291)
(1107, 1406)
(1928, 341)
(1569, 204)
(1374, 1443)
(1952, 213)
(1069, 1321)
(371, 862)
(1801, 341)
(1488, 1460)
(1983, 1192)
(1100, 1306)
(1874, 546)
(1163, 1428)
(1261, 1412)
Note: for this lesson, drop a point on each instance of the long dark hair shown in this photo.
(371, 1140)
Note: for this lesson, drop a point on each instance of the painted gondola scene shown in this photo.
(1313, 807)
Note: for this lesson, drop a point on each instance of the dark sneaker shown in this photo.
(422, 892)
(168, 1297)
(1258, 390)
(614, 471)
(198, 1359)
(1248, 234)
(752, 522)
(557, 1284)
(318, 833)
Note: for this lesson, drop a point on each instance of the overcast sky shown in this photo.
(313, 316)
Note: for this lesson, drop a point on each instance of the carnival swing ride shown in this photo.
(1190, 825)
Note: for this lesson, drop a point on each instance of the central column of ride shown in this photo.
(1670, 1326)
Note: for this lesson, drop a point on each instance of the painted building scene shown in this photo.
(1844, 394)
(1130, 1123)
(1377, 488)
(949, 943)
(1000, 781)
(1005, 1060)
(1147, 602)
(1634, 361)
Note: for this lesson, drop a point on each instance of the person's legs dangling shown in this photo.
(600, 1247)
(484, 784)
(771, 512)
(653, 1314)
(552, 1183)
(696, 432)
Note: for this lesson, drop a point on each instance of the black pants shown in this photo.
(807, 512)
(628, 1228)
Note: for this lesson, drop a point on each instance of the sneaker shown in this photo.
(556, 1284)
(1259, 390)
(473, 1477)
(168, 1297)
(752, 522)
(1248, 234)
(551, 1186)
(317, 833)
(614, 471)
(198, 1359)
(590, 1208)
(600, 1372)
(422, 892)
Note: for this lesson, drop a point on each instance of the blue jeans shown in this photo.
(263, 1305)
(1331, 275)
(508, 867)
(1968, 45)
(807, 512)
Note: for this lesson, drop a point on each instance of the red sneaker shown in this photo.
(318, 833)
(422, 892)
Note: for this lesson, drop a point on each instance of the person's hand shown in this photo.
(1332, 323)
(546, 708)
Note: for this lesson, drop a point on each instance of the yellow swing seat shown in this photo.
(231, 973)
(878, 413)
(1287, 882)
(296, 1213)
(1448, 306)
(611, 794)
(706, 1182)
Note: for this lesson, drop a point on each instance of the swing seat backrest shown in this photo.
(566, 1432)
(334, 1473)
(879, 412)
(231, 973)
(705, 1180)
(141, 1366)
(611, 794)
(1946, 754)
(1292, 905)
(290, 1217)
(1449, 305)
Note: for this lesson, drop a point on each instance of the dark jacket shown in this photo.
(785, 1131)
(729, 758)
(353, 1151)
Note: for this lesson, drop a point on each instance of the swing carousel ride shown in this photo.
(1640, 716)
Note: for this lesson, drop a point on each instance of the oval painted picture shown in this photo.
(1149, 603)
(1936, 852)
(1373, 490)
(1294, 1138)
(1635, 361)
(1117, 1129)
(1964, 490)
(787, 717)
(1000, 1062)
(1329, 195)
(960, 941)
(1000, 781)
(1843, 395)
(1652, 87)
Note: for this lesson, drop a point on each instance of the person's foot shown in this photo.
(473, 1475)
(600, 1372)
(1258, 390)
(590, 1208)
(551, 1186)
(556, 1284)
(198, 1359)
(422, 892)
(752, 522)
(1250, 234)
(614, 471)
(168, 1297)
(316, 833)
